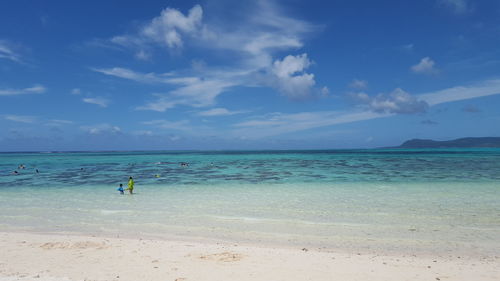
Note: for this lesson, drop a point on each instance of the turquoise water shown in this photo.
(426, 200)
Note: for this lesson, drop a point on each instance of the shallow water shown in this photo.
(442, 200)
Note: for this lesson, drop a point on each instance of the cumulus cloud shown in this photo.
(167, 27)
(100, 129)
(252, 41)
(165, 30)
(291, 78)
(425, 66)
(398, 101)
(37, 89)
(281, 123)
(102, 102)
(455, 6)
(7, 51)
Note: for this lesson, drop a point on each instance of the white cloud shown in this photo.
(219, 112)
(37, 89)
(58, 122)
(425, 66)
(455, 6)
(76, 91)
(143, 55)
(166, 30)
(167, 27)
(481, 89)
(7, 52)
(252, 40)
(193, 92)
(102, 102)
(358, 84)
(103, 128)
(398, 101)
(408, 47)
(182, 125)
(291, 80)
(142, 133)
(135, 76)
(20, 118)
(161, 104)
(281, 123)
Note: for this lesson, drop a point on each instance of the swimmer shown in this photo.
(15, 173)
(36, 170)
(120, 188)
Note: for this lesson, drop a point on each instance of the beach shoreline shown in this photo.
(40, 256)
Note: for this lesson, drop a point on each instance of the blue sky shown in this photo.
(138, 75)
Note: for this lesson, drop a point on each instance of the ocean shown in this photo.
(434, 200)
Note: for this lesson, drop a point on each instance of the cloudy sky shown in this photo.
(222, 74)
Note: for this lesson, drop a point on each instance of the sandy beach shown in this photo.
(32, 256)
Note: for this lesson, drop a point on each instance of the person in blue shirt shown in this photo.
(120, 188)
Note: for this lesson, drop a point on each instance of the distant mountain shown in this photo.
(458, 143)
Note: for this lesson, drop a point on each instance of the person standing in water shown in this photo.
(130, 185)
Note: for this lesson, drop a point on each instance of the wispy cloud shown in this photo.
(193, 92)
(76, 91)
(7, 51)
(252, 41)
(280, 123)
(457, 7)
(58, 122)
(37, 89)
(398, 101)
(182, 125)
(133, 75)
(425, 66)
(100, 129)
(219, 112)
(428, 122)
(480, 89)
(102, 102)
(21, 118)
(358, 84)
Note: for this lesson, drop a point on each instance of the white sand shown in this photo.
(29, 256)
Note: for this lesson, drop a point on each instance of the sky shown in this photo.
(222, 74)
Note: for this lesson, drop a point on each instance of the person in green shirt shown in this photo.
(130, 185)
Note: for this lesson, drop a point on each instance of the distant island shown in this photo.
(457, 143)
